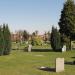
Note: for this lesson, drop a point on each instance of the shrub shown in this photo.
(36, 40)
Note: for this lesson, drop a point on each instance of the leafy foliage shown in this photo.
(36, 40)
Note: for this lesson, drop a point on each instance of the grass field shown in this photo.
(24, 63)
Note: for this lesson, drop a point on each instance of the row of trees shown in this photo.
(34, 38)
(5, 40)
(66, 23)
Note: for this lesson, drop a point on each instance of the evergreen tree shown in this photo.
(67, 20)
(55, 39)
(1, 42)
(7, 39)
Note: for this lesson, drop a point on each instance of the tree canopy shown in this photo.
(67, 20)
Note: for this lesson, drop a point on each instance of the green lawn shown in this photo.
(24, 63)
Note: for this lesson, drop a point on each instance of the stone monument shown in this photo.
(59, 64)
(64, 48)
(29, 48)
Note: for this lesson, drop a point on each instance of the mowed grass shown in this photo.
(24, 63)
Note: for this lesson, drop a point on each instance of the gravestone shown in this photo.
(29, 48)
(59, 64)
(64, 48)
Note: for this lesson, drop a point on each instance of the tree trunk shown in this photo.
(70, 44)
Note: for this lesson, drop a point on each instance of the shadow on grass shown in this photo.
(47, 69)
(72, 57)
(37, 50)
(70, 63)
(17, 49)
(42, 50)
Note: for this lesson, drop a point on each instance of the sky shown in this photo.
(30, 15)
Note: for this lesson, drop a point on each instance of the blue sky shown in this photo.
(30, 15)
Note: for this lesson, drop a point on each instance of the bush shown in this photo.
(36, 41)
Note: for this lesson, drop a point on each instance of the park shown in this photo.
(50, 53)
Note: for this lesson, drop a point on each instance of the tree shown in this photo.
(67, 20)
(1, 42)
(45, 37)
(19, 37)
(36, 32)
(55, 39)
(25, 35)
(7, 39)
(36, 39)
